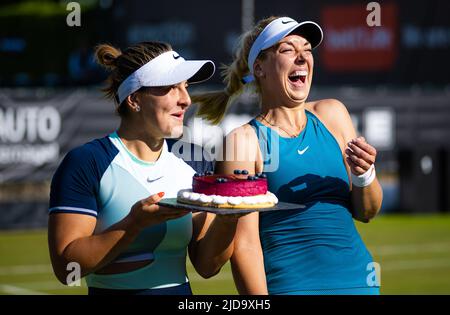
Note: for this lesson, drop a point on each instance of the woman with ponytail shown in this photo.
(104, 216)
(310, 155)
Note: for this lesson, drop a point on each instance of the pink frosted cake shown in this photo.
(229, 191)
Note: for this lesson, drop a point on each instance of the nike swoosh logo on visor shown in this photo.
(286, 22)
(176, 56)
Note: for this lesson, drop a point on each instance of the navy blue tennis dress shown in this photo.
(314, 249)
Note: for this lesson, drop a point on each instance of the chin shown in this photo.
(175, 132)
(298, 94)
(298, 97)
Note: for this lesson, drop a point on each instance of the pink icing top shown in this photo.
(233, 187)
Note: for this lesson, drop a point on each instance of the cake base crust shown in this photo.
(267, 200)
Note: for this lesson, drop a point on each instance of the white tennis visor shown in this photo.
(277, 30)
(167, 69)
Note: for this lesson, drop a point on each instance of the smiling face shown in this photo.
(285, 72)
(162, 110)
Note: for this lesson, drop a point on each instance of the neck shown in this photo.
(142, 144)
(279, 115)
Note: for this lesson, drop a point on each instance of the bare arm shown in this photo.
(247, 261)
(212, 242)
(71, 238)
(358, 157)
(213, 235)
(241, 150)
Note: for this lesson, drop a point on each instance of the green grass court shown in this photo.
(413, 251)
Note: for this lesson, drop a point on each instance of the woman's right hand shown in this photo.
(146, 212)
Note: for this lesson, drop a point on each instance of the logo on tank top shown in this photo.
(302, 151)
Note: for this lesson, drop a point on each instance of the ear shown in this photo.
(133, 101)
(257, 70)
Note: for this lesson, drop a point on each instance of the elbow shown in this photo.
(67, 272)
(68, 276)
(62, 278)
(207, 272)
(372, 212)
(59, 264)
(365, 220)
(366, 213)
(369, 215)
(364, 217)
(60, 273)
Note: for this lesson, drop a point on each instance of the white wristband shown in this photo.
(365, 179)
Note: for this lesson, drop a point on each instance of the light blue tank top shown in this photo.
(315, 248)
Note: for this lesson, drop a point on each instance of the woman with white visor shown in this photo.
(311, 155)
(104, 215)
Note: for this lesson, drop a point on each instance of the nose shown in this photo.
(184, 99)
(300, 58)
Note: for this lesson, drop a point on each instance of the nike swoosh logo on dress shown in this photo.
(302, 151)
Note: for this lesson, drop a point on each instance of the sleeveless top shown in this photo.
(317, 246)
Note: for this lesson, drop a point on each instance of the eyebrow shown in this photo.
(292, 44)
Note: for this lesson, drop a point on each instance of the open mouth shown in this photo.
(298, 77)
(178, 115)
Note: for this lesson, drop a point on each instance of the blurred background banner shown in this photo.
(37, 128)
(393, 78)
(411, 46)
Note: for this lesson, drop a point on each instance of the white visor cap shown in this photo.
(167, 69)
(278, 29)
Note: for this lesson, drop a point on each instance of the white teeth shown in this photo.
(300, 73)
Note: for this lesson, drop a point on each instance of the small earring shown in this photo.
(138, 109)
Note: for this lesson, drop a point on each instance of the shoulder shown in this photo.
(241, 144)
(335, 116)
(243, 138)
(90, 158)
(328, 109)
(76, 181)
(98, 149)
(243, 134)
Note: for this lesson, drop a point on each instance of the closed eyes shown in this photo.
(287, 50)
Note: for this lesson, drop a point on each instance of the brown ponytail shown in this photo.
(213, 105)
(122, 64)
(106, 55)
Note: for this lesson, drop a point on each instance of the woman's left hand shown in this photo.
(360, 155)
